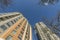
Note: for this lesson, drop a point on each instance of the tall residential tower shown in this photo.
(44, 33)
(14, 26)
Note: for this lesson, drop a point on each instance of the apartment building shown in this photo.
(14, 26)
(44, 33)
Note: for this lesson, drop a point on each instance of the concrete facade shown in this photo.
(44, 33)
(14, 26)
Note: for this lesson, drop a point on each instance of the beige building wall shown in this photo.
(14, 26)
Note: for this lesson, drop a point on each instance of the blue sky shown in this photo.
(32, 10)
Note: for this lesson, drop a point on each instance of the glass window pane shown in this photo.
(12, 22)
(9, 38)
(14, 32)
(9, 24)
(3, 27)
(17, 27)
(20, 37)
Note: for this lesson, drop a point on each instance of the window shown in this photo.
(9, 24)
(23, 29)
(3, 27)
(21, 32)
(7, 17)
(26, 37)
(16, 19)
(1, 19)
(14, 32)
(20, 37)
(17, 27)
(9, 38)
(12, 22)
